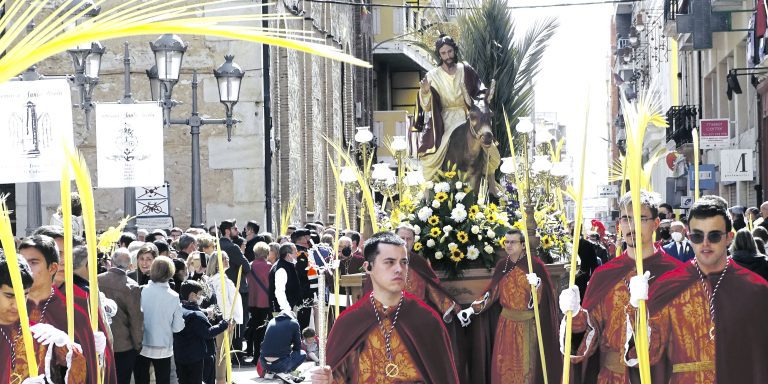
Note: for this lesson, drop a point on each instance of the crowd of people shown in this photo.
(170, 304)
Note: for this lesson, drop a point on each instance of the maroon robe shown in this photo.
(600, 284)
(431, 131)
(483, 332)
(109, 369)
(741, 338)
(420, 328)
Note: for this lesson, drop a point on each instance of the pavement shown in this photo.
(247, 374)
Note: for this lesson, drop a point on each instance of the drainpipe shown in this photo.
(267, 125)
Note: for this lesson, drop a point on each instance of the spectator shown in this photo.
(348, 263)
(289, 230)
(760, 245)
(175, 234)
(737, 214)
(760, 233)
(744, 253)
(187, 245)
(189, 345)
(213, 231)
(156, 234)
(162, 318)
(267, 236)
(751, 215)
(666, 212)
(274, 251)
(240, 242)
(589, 261)
(195, 269)
(228, 231)
(327, 239)
(258, 300)
(128, 323)
(310, 344)
(281, 350)
(225, 297)
(285, 290)
(680, 248)
(144, 258)
(126, 238)
(141, 234)
(180, 275)
(252, 237)
(355, 236)
(162, 247)
(763, 215)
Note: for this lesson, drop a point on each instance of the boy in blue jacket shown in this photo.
(189, 345)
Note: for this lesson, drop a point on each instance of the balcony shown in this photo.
(681, 120)
(393, 29)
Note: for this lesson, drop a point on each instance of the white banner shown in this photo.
(736, 165)
(35, 123)
(129, 145)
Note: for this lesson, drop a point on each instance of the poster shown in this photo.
(736, 165)
(35, 124)
(129, 145)
(714, 133)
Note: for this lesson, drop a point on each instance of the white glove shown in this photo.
(34, 380)
(100, 342)
(570, 300)
(638, 288)
(533, 279)
(464, 315)
(47, 334)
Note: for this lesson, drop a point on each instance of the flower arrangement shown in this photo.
(552, 231)
(452, 228)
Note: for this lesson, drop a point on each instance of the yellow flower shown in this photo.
(433, 220)
(441, 196)
(546, 242)
(417, 247)
(518, 224)
(501, 241)
(462, 237)
(456, 255)
(492, 207)
(450, 174)
(473, 210)
(435, 232)
(492, 217)
(471, 216)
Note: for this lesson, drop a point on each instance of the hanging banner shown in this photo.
(129, 145)
(736, 165)
(715, 133)
(35, 123)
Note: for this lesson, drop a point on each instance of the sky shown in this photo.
(573, 78)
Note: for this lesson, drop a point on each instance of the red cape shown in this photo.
(109, 369)
(419, 327)
(483, 329)
(741, 338)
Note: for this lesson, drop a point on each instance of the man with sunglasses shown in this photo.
(599, 323)
(707, 316)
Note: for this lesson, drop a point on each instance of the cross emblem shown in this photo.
(700, 22)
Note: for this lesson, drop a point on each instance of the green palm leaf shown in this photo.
(489, 44)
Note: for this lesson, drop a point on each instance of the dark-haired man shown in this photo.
(507, 306)
(706, 316)
(64, 355)
(47, 304)
(599, 323)
(388, 336)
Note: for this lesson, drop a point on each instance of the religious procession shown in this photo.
(503, 192)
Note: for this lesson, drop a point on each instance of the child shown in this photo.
(190, 345)
(310, 344)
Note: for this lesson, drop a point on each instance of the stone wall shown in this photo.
(232, 172)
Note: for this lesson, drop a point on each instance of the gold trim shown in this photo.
(517, 315)
(613, 361)
(693, 367)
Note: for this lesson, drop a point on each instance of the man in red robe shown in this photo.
(511, 353)
(707, 316)
(389, 335)
(47, 304)
(58, 359)
(599, 323)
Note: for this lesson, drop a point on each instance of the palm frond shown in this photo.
(55, 33)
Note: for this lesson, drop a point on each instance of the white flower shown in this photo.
(459, 185)
(475, 229)
(411, 217)
(479, 216)
(472, 252)
(452, 246)
(429, 184)
(458, 214)
(417, 229)
(479, 237)
(442, 187)
(491, 234)
(460, 196)
(424, 213)
(438, 255)
(417, 238)
(488, 249)
(447, 229)
(431, 243)
(435, 204)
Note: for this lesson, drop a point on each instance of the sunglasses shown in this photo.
(713, 237)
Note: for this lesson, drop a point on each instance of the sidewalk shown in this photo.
(248, 375)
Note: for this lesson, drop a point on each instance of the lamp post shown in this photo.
(363, 137)
(169, 52)
(400, 146)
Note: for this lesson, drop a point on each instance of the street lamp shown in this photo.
(169, 51)
(524, 125)
(86, 59)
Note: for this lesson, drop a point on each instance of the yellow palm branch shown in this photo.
(285, 216)
(56, 33)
